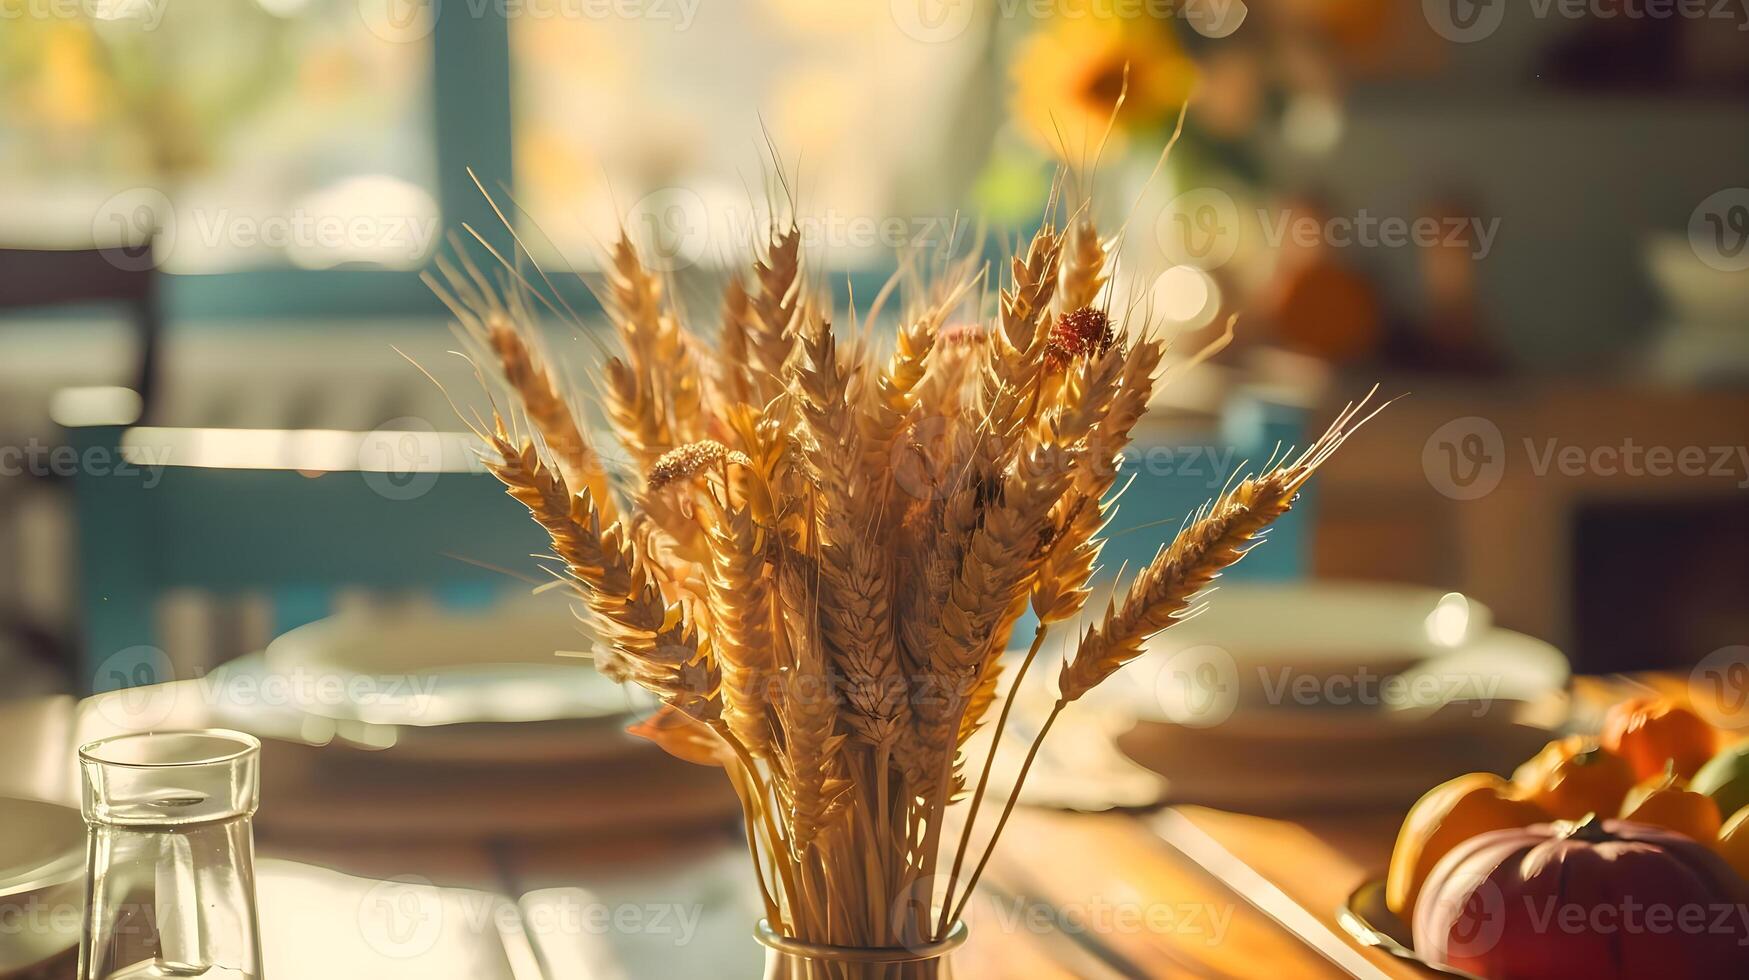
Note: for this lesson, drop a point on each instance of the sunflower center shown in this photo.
(1104, 85)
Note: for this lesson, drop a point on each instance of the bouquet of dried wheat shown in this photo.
(824, 550)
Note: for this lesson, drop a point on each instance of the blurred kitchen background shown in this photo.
(215, 213)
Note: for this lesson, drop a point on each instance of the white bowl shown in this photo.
(42, 880)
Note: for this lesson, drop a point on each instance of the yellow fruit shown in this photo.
(1733, 842)
(1574, 776)
(1448, 815)
(1665, 801)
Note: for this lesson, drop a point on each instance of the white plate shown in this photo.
(42, 880)
(1331, 622)
(426, 668)
(1311, 647)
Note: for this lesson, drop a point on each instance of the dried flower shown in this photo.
(686, 462)
(1079, 333)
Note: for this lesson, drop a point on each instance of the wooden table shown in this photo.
(1071, 895)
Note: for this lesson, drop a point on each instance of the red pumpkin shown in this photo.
(1604, 900)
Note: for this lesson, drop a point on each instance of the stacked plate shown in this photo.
(1333, 693)
(427, 723)
(42, 880)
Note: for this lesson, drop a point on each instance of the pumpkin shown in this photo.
(1653, 732)
(1726, 778)
(1603, 900)
(1665, 801)
(1574, 776)
(1448, 815)
(1733, 843)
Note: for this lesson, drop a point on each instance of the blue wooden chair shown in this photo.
(159, 509)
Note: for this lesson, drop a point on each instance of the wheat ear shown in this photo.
(856, 604)
(740, 598)
(506, 331)
(734, 348)
(1220, 534)
(654, 640)
(776, 312)
(1084, 272)
(814, 784)
(1060, 589)
(637, 386)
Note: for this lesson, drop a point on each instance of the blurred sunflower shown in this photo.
(1067, 76)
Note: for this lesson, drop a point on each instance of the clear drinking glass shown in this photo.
(170, 887)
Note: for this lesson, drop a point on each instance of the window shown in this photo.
(659, 118)
(246, 133)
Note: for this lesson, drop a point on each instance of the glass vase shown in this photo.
(793, 959)
(170, 885)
